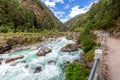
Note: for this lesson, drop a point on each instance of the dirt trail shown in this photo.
(111, 63)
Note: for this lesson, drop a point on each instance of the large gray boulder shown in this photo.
(43, 51)
(69, 48)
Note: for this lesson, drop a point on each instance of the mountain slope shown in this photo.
(104, 14)
(27, 15)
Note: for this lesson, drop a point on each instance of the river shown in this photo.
(23, 69)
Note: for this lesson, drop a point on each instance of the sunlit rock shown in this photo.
(43, 51)
(70, 47)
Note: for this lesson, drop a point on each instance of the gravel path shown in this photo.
(111, 63)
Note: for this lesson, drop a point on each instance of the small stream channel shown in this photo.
(24, 69)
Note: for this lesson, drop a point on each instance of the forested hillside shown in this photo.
(104, 14)
(27, 16)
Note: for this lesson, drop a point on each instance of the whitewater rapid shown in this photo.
(23, 69)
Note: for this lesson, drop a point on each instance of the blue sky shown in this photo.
(67, 9)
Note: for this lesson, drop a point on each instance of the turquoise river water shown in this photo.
(16, 70)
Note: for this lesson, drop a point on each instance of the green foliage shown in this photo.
(101, 15)
(77, 29)
(76, 71)
(87, 39)
(25, 18)
(4, 29)
(89, 56)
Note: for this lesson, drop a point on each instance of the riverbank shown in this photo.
(10, 41)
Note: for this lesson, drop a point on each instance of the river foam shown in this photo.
(24, 69)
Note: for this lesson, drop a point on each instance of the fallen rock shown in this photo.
(26, 66)
(13, 59)
(51, 62)
(70, 47)
(38, 69)
(43, 51)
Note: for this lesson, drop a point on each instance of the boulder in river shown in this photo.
(38, 69)
(13, 59)
(70, 47)
(26, 66)
(43, 51)
(51, 62)
(1, 60)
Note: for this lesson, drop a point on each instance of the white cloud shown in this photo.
(50, 4)
(64, 20)
(67, 6)
(77, 10)
(58, 1)
(59, 12)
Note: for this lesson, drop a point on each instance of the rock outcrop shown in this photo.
(5, 47)
(13, 59)
(43, 51)
(70, 47)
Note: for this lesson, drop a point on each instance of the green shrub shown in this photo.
(88, 44)
(3, 29)
(76, 71)
(87, 39)
(89, 56)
